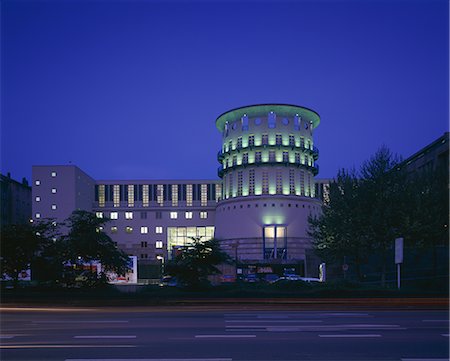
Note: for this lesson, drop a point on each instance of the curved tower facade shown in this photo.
(267, 167)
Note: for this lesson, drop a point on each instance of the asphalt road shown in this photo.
(214, 334)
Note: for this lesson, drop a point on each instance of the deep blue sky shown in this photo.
(131, 89)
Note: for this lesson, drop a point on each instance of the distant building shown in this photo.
(432, 156)
(15, 200)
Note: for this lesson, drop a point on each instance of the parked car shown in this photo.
(271, 277)
(251, 278)
(169, 281)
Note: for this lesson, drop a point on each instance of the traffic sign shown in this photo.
(398, 250)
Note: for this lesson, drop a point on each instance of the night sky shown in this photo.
(131, 89)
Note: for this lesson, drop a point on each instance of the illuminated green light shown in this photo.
(279, 156)
(239, 159)
(258, 139)
(291, 157)
(272, 139)
(265, 156)
(285, 140)
(285, 189)
(245, 142)
(272, 189)
(273, 219)
(253, 111)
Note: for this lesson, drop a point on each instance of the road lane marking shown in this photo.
(149, 359)
(344, 314)
(350, 336)
(287, 321)
(105, 336)
(64, 346)
(83, 321)
(224, 336)
(435, 320)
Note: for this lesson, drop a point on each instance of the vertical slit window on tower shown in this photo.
(265, 139)
(265, 182)
(297, 122)
(230, 145)
(291, 140)
(279, 182)
(239, 190)
(278, 139)
(271, 156)
(251, 182)
(239, 143)
(245, 158)
(218, 192)
(302, 182)
(244, 121)
(291, 181)
(230, 185)
(285, 157)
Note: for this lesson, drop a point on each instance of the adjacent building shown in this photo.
(15, 200)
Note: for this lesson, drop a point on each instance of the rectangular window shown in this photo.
(302, 183)
(278, 139)
(144, 230)
(113, 229)
(99, 214)
(129, 229)
(204, 195)
(158, 214)
(173, 215)
(116, 195)
(286, 157)
(274, 242)
(101, 195)
(130, 195)
(244, 121)
(128, 215)
(188, 215)
(189, 195)
(37, 215)
(245, 158)
(251, 140)
(234, 160)
(37, 199)
(230, 184)
(203, 215)
(251, 182)
(271, 156)
(159, 244)
(265, 139)
(143, 215)
(144, 244)
(53, 190)
(53, 174)
(160, 194)
(114, 215)
(279, 182)
(291, 181)
(258, 157)
(174, 195)
(297, 158)
(53, 206)
(145, 195)
(265, 182)
(239, 185)
(158, 230)
(239, 143)
(218, 192)
(296, 122)
(230, 145)
(291, 140)
(37, 182)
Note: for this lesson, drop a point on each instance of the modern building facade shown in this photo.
(267, 169)
(258, 209)
(15, 200)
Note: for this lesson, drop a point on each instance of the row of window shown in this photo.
(271, 123)
(37, 182)
(158, 215)
(267, 139)
(256, 205)
(268, 156)
(159, 193)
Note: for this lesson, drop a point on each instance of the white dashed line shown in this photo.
(105, 336)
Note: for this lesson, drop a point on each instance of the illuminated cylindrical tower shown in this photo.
(267, 170)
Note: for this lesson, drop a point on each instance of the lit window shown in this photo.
(114, 229)
(203, 195)
(99, 214)
(53, 174)
(53, 206)
(160, 194)
(101, 195)
(116, 195)
(38, 182)
(128, 215)
(129, 229)
(38, 215)
(159, 244)
(189, 195)
(203, 215)
(173, 215)
(251, 140)
(188, 215)
(53, 190)
(158, 230)
(144, 230)
(174, 195)
(38, 199)
(145, 195)
(130, 195)
(114, 215)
